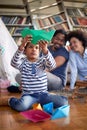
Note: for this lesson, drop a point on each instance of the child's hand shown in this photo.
(26, 40)
(43, 45)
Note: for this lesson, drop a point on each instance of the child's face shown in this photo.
(32, 52)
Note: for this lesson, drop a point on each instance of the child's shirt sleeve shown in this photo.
(17, 60)
(49, 61)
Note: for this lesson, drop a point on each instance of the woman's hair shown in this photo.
(80, 35)
(62, 32)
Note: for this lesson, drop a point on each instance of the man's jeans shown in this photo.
(27, 100)
(54, 82)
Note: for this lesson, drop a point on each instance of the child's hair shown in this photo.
(80, 35)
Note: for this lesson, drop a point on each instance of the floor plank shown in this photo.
(77, 119)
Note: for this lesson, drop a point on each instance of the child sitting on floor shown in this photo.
(33, 76)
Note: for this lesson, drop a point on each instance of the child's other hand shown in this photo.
(25, 40)
(43, 45)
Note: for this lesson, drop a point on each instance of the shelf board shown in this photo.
(81, 1)
(18, 25)
(12, 6)
(80, 26)
(43, 17)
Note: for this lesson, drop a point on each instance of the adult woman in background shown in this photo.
(78, 56)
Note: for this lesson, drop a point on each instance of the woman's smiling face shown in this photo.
(75, 44)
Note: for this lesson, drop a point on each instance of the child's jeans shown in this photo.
(27, 100)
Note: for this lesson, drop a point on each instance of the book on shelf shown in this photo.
(65, 26)
(28, 20)
(19, 20)
(79, 21)
(76, 12)
(18, 30)
(62, 26)
(74, 21)
(50, 28)
(11, 20)
(57, 18)
(63, 16)
(58, 26)
(70, 12)
(36, 24)
(81, 28)
(85, 11)
(5, 19)
(51, 20)
(40, 21)
(24, 20)
(81, 12)
(16, 19)
(46, 22)
(12, 30)
(82, 21)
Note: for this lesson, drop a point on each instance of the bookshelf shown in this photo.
(77, 15)
(16, 17)
(48, 15)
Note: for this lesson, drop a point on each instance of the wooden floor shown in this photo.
(77, 120)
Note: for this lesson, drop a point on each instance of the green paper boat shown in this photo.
(38, 34)
(27, 31)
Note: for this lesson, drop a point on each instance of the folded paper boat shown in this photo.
(37, 106)
(38, 34)
(61, 112)
(48, 108)
(36, 115)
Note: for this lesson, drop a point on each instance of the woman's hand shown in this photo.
(25, 40)
(43, 45)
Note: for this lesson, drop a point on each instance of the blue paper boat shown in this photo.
(61, 112)
(48, 108)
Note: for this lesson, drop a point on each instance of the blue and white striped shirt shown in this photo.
(33, 75)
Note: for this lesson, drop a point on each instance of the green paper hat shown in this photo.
(38, 34)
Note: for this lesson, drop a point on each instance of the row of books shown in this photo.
(77, 12)
(58, 26)
(49, 21)
(81, 28)
(16, 20)
(80, 21)
(15, 31)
